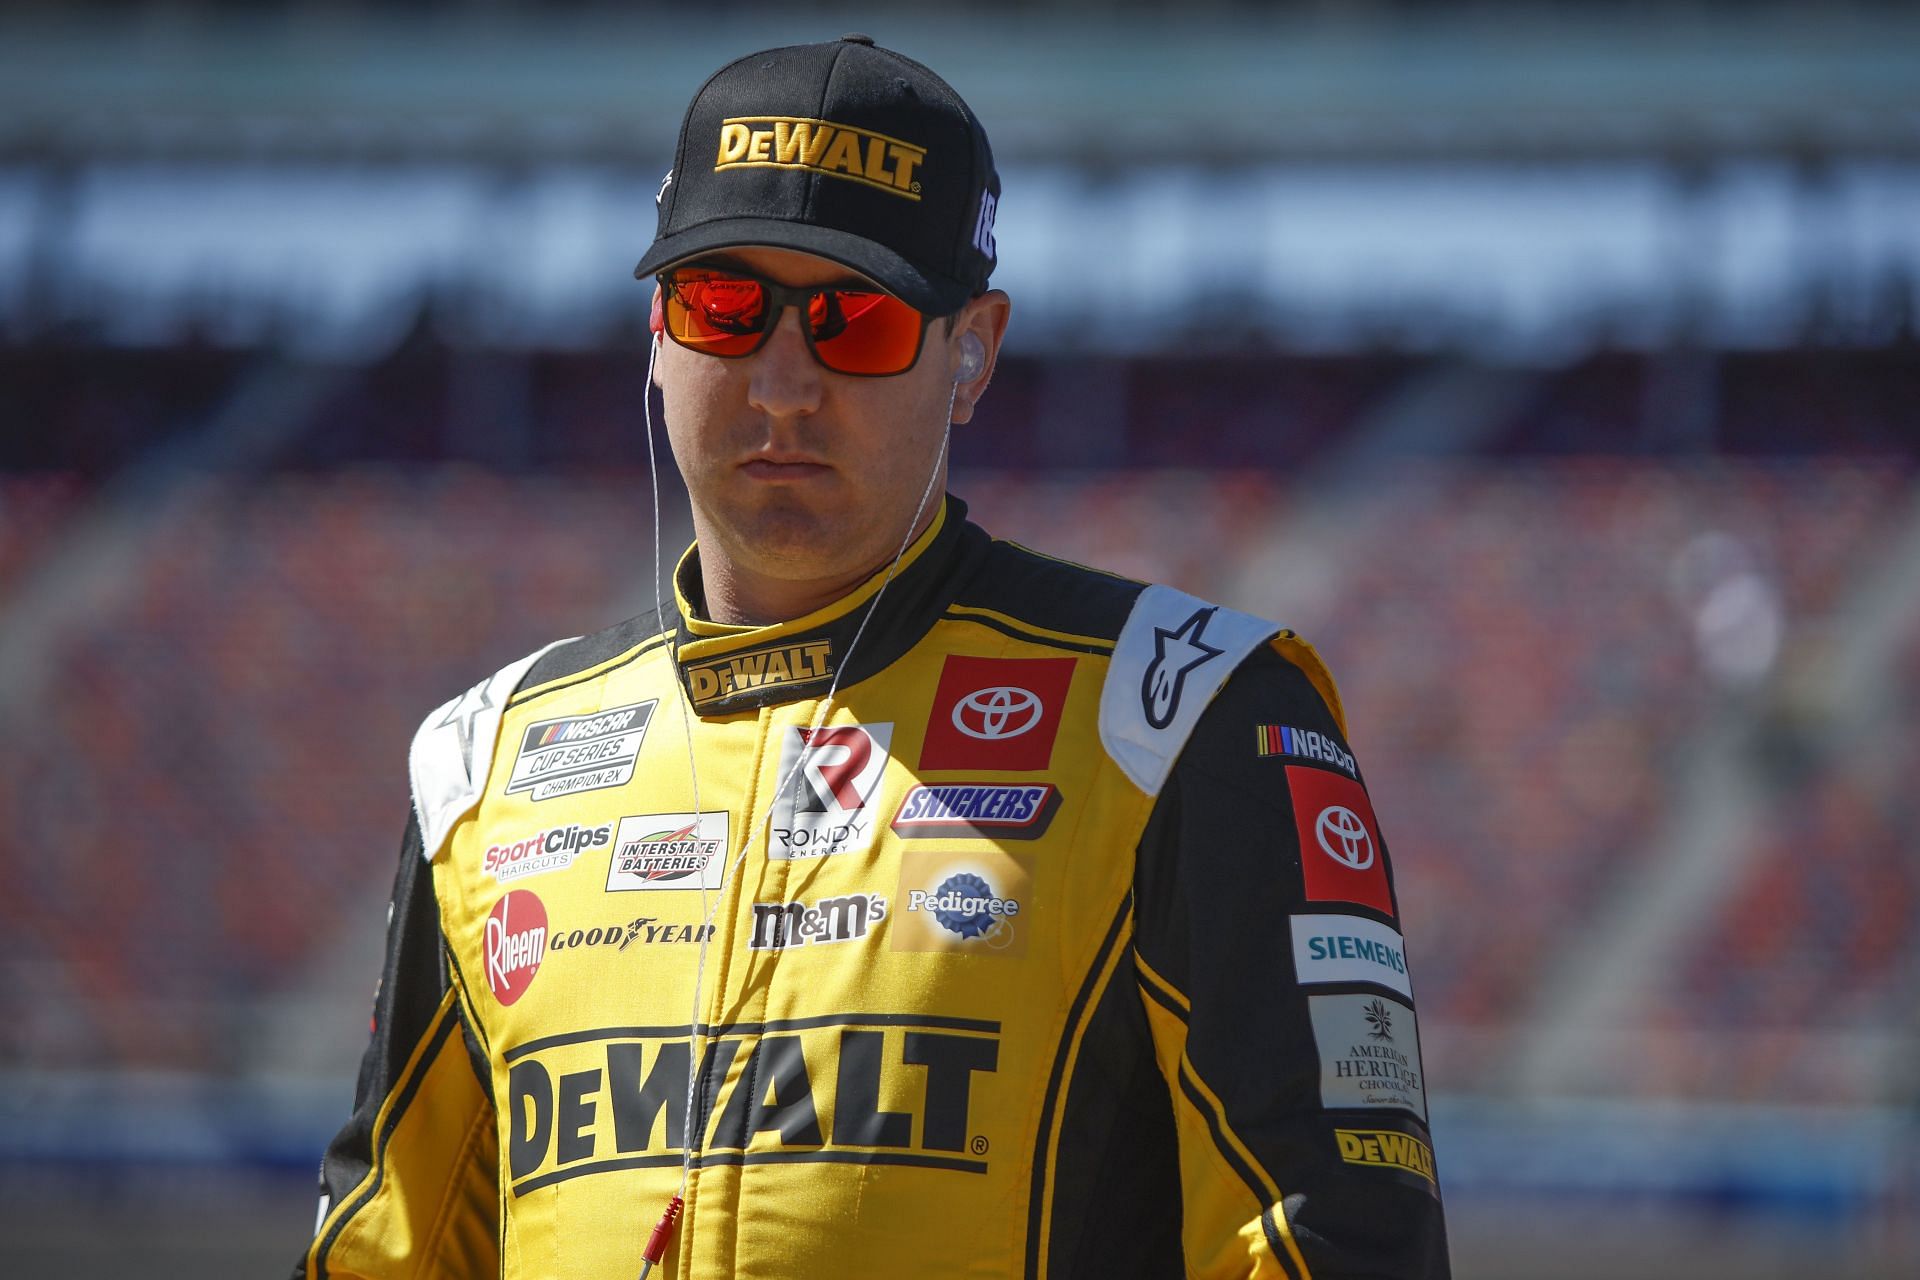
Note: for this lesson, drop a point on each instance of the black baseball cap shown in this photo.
(844, 150)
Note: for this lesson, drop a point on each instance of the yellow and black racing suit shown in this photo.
(1065, 946)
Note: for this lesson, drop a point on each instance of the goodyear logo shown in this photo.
(839, 150)
(1386, 1149)
(759, 669)
(856, 1089)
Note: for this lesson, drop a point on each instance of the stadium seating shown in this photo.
(213, 785)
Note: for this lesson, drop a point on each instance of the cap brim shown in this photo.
(930, 294)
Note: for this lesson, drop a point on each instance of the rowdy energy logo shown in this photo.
(1369, 1054)
(516, 941)
(669, 851)
(844, 1092)
(580, 753)
(825, 808)
(996, 713)
(837, 150)
(957, 901)
(961, 809)
(721, 678)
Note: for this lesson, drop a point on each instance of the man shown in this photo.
(896, 901)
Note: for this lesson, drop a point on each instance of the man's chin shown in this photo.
(791, 540)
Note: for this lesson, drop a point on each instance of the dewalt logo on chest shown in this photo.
(719, 678)
(836, 1088)
(837, 150)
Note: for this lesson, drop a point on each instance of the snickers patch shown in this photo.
(960, 809)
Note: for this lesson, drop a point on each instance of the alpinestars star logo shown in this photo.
(1175, 654)
(460, 718)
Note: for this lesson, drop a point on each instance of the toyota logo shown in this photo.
(1004, 711)
(1344, 837)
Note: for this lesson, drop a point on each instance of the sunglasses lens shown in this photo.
(853, 330)
(719, 314)
(864, 333)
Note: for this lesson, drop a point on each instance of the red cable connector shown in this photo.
(657, 1242)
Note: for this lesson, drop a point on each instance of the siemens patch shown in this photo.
(837, 150)
(580, 753)
(961, 809)
(1349, 949)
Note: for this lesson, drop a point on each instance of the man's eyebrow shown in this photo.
(726, 262)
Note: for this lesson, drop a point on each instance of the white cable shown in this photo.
(689, 1136)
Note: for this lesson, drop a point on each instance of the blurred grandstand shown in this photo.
(1559, 378)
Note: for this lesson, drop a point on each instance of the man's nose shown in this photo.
(786, 381)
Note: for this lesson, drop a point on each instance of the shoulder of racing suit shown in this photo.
(452, 750)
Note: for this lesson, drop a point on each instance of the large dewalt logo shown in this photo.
(1386, 1149)
(839, 150)
(854, 1089)
(758, 669)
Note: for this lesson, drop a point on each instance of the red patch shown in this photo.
(996, 713)
(516, 943)
(1340, 851)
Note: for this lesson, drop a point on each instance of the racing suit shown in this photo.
(1065, 946)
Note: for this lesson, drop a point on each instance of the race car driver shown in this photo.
(893, 900)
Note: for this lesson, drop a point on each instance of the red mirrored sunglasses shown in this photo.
(729, 313)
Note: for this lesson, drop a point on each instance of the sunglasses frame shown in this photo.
(779, 298)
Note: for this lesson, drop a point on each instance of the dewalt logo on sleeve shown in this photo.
(837, 150)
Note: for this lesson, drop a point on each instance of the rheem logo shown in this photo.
(516, 943)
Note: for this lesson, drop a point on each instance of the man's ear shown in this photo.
(973, 348)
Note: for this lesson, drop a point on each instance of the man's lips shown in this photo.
(779, 467)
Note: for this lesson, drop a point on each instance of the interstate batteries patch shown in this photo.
(572, 754)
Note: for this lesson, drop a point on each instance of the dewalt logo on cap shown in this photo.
(838, 150)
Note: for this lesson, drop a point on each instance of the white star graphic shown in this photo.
(461, 717)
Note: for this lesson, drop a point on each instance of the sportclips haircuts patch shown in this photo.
(834, 774)
(837, 150)
(572, 754)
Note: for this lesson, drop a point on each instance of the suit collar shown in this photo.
(726, 668)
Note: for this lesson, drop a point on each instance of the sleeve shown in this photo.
(409, 1185)
(1271, 966)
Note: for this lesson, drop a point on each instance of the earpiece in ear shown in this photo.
(657, 321)
(973, 358)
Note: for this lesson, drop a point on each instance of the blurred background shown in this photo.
(1554, 368)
